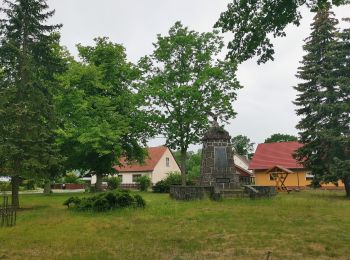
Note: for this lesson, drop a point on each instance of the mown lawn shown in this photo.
(305, 225)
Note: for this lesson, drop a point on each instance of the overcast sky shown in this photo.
(264, 105)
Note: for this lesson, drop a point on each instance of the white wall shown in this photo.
(161, 171)
(241, 163)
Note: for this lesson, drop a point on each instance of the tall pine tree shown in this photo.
(322, 100)
(29, 59)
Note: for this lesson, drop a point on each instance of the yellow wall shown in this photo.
(295, 179)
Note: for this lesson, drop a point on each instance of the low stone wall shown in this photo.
(255, 191)
(190, 192)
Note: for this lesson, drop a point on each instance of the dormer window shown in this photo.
(167, 162)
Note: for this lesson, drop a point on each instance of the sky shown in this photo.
(264, 105)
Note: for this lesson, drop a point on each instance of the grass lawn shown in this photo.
(305, 225)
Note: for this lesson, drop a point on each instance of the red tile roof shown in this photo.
(271, 154)
(243, 172)
(154, 155)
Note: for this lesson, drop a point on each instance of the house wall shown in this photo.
(241, 163)
(126, 177)
(161, 170)
(295, 179)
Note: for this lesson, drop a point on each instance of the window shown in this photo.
(167, 161)
(135, 177)
(272, 178)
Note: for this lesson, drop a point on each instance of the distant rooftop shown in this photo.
(271, 154)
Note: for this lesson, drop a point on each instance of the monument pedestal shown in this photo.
(217, 166)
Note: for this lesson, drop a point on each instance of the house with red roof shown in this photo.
(157, 165)
(270, 158)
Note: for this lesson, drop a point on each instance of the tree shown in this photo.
(193, 164)
(276, 138)
(185, 83)
(324, 101)
(243, 145)
(254, 22)
(102, 119)
(29, 60)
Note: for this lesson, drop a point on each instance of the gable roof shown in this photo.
(271, 154)
(154, 155)
(243, 172)
(243, 158)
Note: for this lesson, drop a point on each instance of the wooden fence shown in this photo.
(8, 213)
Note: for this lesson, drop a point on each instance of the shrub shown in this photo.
(161, 187)
(144, 183)
(5, 186)
(106, 201)
(71, 177)
(173, 178)
(113, 183)
(28, 184)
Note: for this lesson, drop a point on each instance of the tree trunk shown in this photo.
(15, 181)
(183, 167)
(47, 187)
(347, 186)
(98, 184)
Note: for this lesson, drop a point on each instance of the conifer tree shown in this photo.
(29, 59)
(323, 100)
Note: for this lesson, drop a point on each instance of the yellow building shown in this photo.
(273, 165)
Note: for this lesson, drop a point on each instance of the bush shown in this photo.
(173, 178)
(28, 184)
(161, 187)
(106, 201)
(113, 183)
(144, 183)
(71, 177)
(5, 186)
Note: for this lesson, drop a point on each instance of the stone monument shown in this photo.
(217, 166)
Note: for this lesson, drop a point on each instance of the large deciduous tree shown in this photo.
(102, 119)
(185, 83)
(277, 138)
(243, 145)
(254, 22)
(29, 60)
(324, 101)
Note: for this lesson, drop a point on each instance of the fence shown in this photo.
(8, 213)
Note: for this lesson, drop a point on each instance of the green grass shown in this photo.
(305, 225)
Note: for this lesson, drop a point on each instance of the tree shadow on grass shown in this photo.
(339, 195)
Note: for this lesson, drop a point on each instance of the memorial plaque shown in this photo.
(220, 161)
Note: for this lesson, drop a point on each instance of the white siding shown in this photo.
(161, 170)
(240, 162)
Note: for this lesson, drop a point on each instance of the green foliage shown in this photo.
(29, 184)
(144, 182)
(276, 138)
(106, 201)
(324, 101)
(113, 183)
(173, 178)
(30, 58)
(243, 145)
(71, 177)
(184, 73)
(193, 164)
(5, 186)
(254, 22)
(161, 187)
(101, 111)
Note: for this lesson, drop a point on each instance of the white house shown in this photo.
(242, 162)
(157, 165)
